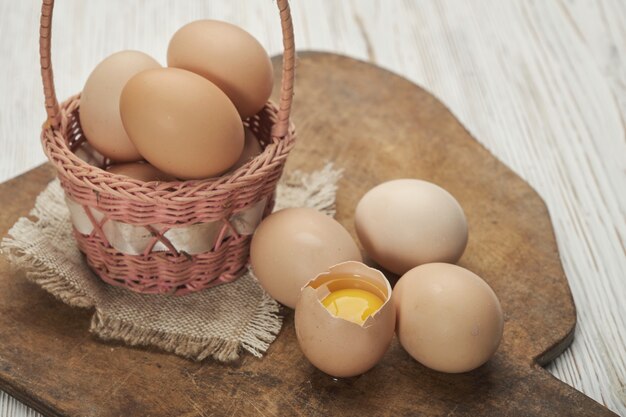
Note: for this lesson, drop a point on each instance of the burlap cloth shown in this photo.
(219, 322)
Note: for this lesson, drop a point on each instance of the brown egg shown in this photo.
(335, 345)
(229, 57)
(181, 123)
(294, 245)
(448, 318)
(406, 222)
(141, 171)
(251, 149)
(99, 111)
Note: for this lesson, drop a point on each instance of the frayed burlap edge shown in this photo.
(19, 243)
(45, 277)
(256, 339)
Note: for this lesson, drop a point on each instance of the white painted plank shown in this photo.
(10, 407)
(542, 84)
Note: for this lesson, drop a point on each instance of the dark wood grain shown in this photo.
(377, 126)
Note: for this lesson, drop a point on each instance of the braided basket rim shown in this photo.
(81, 173)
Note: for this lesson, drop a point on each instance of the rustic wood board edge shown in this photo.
(29, 184)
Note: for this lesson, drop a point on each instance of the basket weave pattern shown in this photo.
(160, 206)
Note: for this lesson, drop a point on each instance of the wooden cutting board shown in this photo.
(377, 126)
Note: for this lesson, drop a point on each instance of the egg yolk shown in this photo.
(354, 305)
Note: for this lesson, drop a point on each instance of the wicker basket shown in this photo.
(160, 211)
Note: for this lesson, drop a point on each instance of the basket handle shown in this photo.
(280, 128)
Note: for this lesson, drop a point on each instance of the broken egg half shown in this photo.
(345, 319)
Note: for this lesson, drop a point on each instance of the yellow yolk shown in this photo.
(354, 305)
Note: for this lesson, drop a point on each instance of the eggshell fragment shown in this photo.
(336, 346)
(229, 57)
(99, 110)
(448, 318)
(293, 245)
(407, 222)
(181, 123)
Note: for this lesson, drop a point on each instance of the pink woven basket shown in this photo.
(159, 211)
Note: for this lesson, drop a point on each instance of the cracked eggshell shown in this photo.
(334, 345)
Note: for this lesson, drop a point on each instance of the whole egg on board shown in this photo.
(292, 246)
(404, 223)
(448, 318)
(345, 319)
(181, 123)
(99, 111)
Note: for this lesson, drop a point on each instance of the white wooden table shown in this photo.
(541, 83)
